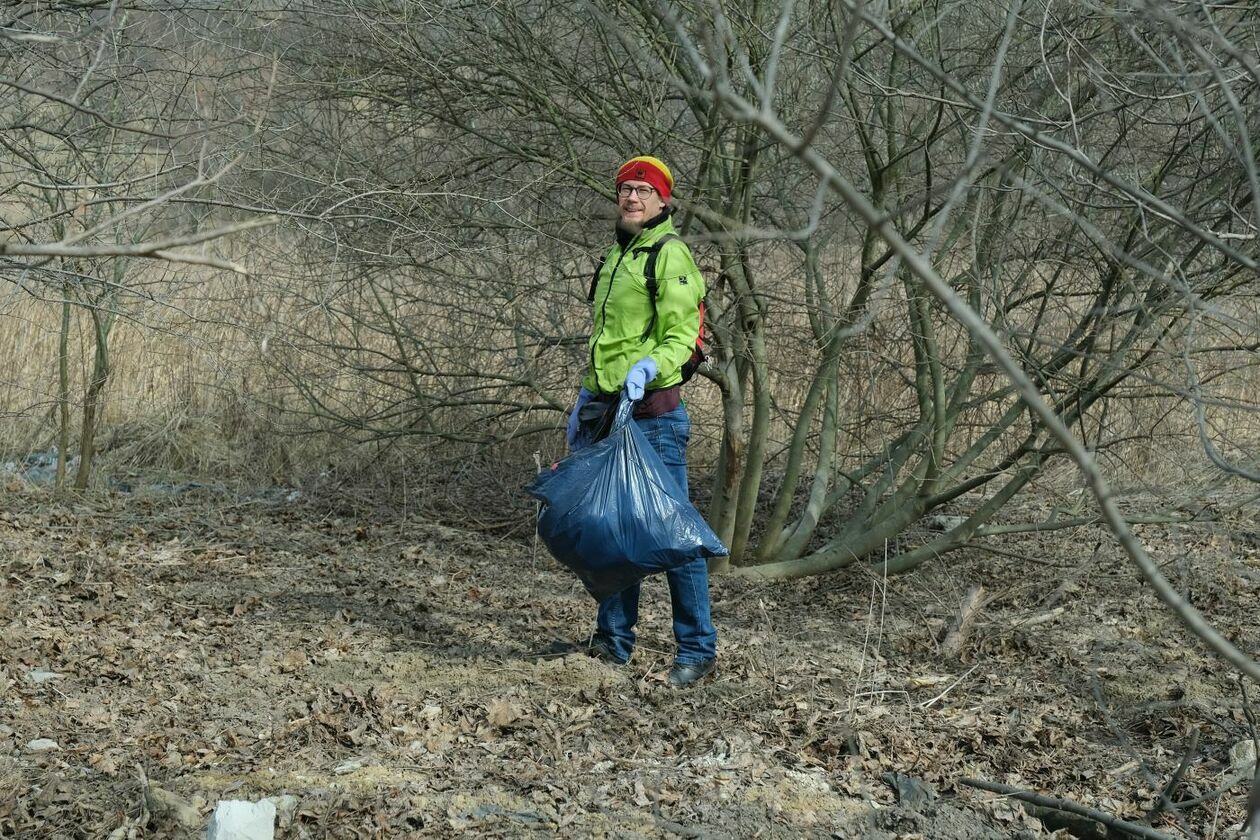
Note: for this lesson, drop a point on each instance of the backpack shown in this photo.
(698, 357)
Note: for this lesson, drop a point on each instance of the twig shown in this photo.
(675, 827)
(1194, 389)
(1084, 521)
(97, 115)
(533, 560)
(1029, 393)
(773, 660)
(866, 639)
(157, 249)
(1059, 591)
(1044, 618)
(144, 794)
(680, 829)
(1123, 737)
(1252, 820)
(1224, 788)
(1054, 803)
(929, 703)
(958, 631)
(1165, 796)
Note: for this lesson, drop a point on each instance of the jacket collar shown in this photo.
(626, 236)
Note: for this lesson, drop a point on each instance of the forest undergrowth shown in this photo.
(385, 676)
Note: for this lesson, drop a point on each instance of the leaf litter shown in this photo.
(395, 678)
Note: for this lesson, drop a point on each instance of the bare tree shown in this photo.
(113, 143)
(1082, 195)
(1082, 179)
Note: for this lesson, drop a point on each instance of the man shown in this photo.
(642, 348)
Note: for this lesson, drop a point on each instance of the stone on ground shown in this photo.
(236, 819)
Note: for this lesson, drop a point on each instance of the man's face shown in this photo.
(635, 209)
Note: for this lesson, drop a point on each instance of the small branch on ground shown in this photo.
(144, 794)
(1068, 807)
(1164, 802)
(1252, 820)
(957, 633)
(681, 830)
(1165, 796)
(1211, 796)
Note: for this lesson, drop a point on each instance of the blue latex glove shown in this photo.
(570, 433)
(643, 372)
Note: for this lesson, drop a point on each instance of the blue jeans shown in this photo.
(688, 584)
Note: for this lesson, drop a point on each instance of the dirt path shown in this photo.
(402, 679)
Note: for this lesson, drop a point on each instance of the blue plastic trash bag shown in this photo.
(613, 514)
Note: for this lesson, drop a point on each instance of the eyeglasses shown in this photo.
(644, 192)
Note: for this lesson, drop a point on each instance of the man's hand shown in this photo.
(643, 372)
(570, 433)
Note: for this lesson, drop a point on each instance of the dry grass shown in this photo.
(183, 388)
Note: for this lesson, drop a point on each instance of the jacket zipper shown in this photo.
(603, 313)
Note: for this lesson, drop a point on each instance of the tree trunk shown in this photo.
(63, 391)
(102, 322)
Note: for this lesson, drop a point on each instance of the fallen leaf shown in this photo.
(503, 713)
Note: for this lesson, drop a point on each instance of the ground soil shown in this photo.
(395, 678)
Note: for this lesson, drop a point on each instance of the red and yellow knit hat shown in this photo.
(651, 170)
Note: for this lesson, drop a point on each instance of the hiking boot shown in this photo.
(685, 674)
(602, 650)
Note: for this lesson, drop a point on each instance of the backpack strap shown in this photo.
(590, 295)
(649, 277)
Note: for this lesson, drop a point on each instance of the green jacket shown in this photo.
(622, 311)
